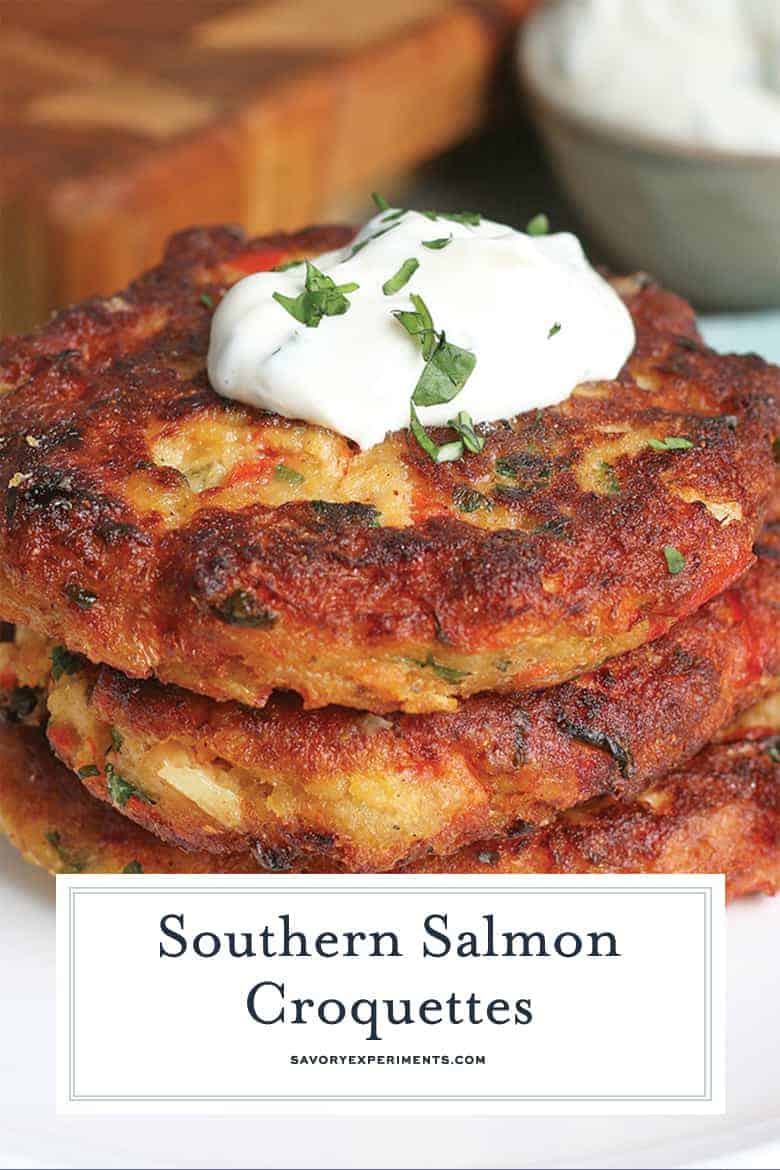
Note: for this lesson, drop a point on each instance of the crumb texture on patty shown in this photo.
(155, 527)
(368, 792)
(721, 814)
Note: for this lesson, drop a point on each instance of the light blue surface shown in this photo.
(744, 333)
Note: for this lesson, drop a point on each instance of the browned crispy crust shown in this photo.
(388, 595)
(369, 793)
(719, 815)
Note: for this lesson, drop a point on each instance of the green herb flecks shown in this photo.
(437, 244)
(81, 597)
(675, 561)
(538, 226)
(117, 740)
(609, 479)
(206, 300)
(133, 867)
(468, 500)
(380, 203)
(463, 424)
(527, 468)
(63, 662)
(445, 453)
(364, 243)
(447, 673)
(286, 265)
(87, 771)
(621, 754)
(241, 609)
(554, 328)
(488, 857)
(69, 861)
(671, 443)
(321, 297)
(289, 475)
(333, 514)
(772, 749)
(469, 218)
(447, 366)
(121, 790)
(447, 369)
(401, 277)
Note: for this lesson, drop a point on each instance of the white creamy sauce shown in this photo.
(537, 317)
(700, 73)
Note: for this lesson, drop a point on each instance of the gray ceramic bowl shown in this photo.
(704, 222)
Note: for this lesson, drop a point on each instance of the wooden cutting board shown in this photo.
(124, 120)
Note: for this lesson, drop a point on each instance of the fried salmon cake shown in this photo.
(368, 792)
(154, 526)
(720, 815)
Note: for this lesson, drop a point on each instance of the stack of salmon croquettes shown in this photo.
(252, 646)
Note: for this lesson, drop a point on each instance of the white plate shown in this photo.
(31, 1135)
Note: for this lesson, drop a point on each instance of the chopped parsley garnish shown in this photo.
(538, 226)
(445, 453)
(206, 300)
(773, 749)
(469, 218)
(609, 479)
(446, 371)
(288, 475)
(468, 500)
(437, 244)
(675, 561)
(241, 609)
(447, 673)
(554, 328)
(359, 247)
(71, 862)
(671, 443)
(121, 790)
(447, 366)
(364, 515)
(506, 467)
(321, 297)
(526, 467)
(463, 423)
(592, 736)
(133, 867)
(87, 771)
(401, 277)
(116, 740)
(394, 215)
(286, 265)
(380, 202)
(63, 662)
(81, 597)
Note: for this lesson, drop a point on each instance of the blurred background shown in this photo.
(650, 127)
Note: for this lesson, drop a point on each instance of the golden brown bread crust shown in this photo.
(719, 815)
(368, 792)
(143, 522)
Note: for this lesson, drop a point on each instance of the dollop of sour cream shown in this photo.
(696, 73)
(536, 316)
